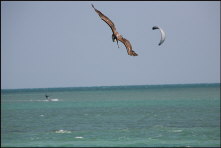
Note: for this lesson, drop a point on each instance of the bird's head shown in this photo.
(114, 39)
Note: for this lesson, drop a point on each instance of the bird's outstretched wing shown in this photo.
(128, 46)
(105, 19)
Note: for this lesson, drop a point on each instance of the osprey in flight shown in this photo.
(116, 36)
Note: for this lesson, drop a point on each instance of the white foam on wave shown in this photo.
(30, 100)
(177, 131)
(79, 137)
(47, 100)
(37, 100)
(54, 99)
(62, 131)
(155, 137)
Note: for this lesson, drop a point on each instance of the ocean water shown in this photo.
(122, 116)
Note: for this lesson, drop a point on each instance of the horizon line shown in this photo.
(114, 86)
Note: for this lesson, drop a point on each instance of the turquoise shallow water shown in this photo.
(161, 115)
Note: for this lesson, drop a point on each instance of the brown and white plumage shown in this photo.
(116, 35)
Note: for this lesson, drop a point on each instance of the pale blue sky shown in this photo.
(66, 44)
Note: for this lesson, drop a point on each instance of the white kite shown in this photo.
(163, 35)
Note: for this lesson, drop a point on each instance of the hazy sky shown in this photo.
(66, 44)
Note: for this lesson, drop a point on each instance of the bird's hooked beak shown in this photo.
(114, 38)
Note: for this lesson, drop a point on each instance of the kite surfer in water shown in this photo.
(46, 96)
